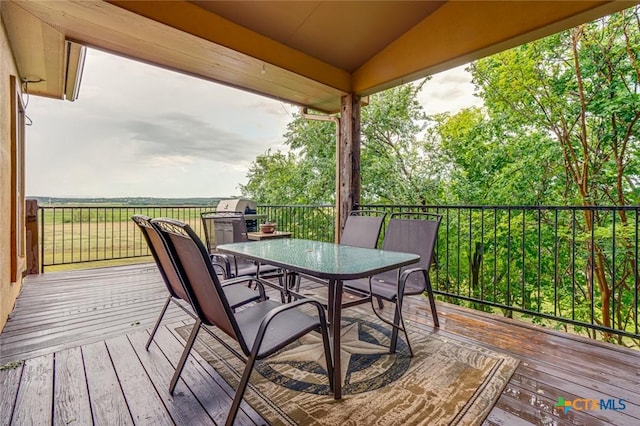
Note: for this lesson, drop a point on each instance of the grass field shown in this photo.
(71, 237)
(79, 236)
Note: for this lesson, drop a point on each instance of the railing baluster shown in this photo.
(522, 295)
(555, 264)
(538, 273)
(508, 296)
(495, 255)
(636, 280)
(470, 255)
(592, 268)
(612, 306)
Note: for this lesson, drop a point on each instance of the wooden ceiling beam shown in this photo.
(190, 18)
(108, 27)
(481, 29)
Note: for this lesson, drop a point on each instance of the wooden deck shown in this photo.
(81, 336)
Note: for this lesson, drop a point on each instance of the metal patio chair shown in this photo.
(223, 228)
(260, 329)
(236, 292)
(362, 229)
(410, 233)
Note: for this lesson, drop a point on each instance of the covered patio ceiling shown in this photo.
(308, 53)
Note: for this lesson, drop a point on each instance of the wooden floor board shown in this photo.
(9, 384)
(34, 402)
(70, 389)
(22, 349)
(183, 406)
(145, 404)
(216, 399)
(82, 334)
(68, 322)
(108, 404)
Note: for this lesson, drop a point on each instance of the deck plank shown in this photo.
(34, 403)
(9, 384)
(183, 406)
(549, 384)
(144, 403)
(83, 309)
(558, 369)
(108, 404)
(228, 388)
(215, 398)
(71, 395)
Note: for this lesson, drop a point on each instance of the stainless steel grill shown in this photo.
(244, 206)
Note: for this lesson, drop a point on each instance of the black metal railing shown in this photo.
(311, 222)
(556, 266)
(81, 234)
(576, 265)
(70, 235)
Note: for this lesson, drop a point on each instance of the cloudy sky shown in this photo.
(140, 131)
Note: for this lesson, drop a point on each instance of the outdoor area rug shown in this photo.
(446, 382)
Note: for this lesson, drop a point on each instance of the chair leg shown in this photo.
(432, 302)
(244, 381)
(394, 331)
(295, 284)
(327, 355)
(155, 327)
(185, 355)
(398, 324)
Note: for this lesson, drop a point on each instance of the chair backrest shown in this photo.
(222, 228)
(362, 228)
(413, 233)
(161, 256)
(198, 277)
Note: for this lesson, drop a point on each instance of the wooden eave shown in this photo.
(306, 53)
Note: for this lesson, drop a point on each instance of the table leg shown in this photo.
(335, 306)
(288, 280)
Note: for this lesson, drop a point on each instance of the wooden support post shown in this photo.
(348, 161)
(33, 254)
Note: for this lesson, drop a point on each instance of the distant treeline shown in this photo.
(128, 201)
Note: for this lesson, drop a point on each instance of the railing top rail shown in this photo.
(104, 206)
(502, 207)
(297, 205)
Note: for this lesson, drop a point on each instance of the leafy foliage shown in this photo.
(559, 126)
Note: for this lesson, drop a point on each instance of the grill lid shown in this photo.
(237, 205)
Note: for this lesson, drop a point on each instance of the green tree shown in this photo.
(401, 161)
(579, 90)
(397, 166)
(494, 162)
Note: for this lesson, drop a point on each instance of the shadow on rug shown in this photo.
(446, 382)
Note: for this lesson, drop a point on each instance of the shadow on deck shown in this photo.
(82, 333)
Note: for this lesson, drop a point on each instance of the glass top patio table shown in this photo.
(320, 259)
(332, 262)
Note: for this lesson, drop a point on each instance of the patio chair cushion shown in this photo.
(280, 331)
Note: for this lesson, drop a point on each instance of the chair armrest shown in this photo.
(272, 314)
(217, 258)
(244, 279)
(405, 274)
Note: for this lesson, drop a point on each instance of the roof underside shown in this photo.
(308, 53)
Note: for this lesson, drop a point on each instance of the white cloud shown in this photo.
(449, 91)
(138, 130)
